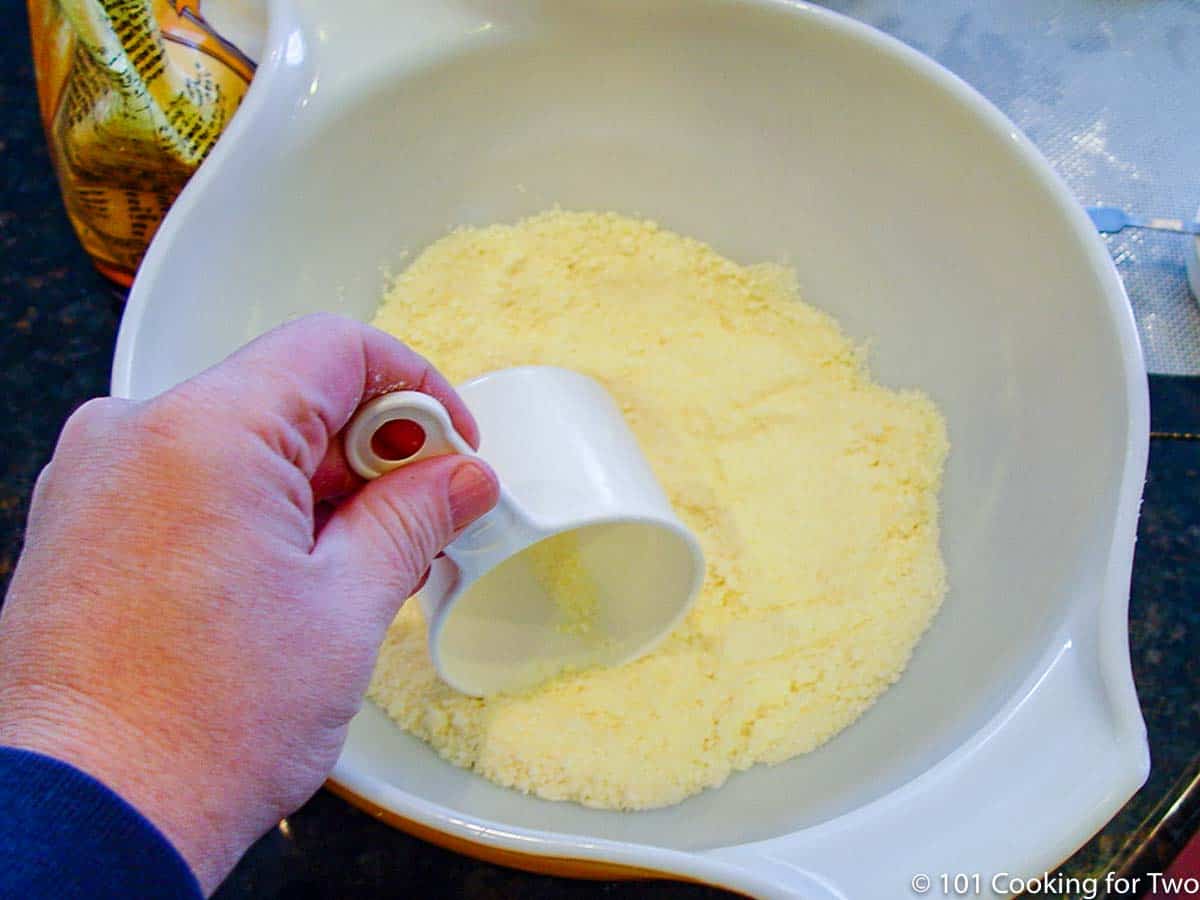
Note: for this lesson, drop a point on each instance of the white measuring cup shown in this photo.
(583, 561)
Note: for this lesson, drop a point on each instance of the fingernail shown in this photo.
(473, 491)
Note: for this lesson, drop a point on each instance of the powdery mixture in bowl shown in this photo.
(813, 491)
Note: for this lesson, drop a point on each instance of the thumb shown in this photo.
(389, 532)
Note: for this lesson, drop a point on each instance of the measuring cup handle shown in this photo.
(503, 531)
(439, 435)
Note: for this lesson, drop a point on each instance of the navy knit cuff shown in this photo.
(64, 834)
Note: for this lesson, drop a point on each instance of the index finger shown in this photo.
(299, 384)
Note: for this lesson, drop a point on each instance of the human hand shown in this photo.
(192, 621)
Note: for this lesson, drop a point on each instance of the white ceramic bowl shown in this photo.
(912, 210)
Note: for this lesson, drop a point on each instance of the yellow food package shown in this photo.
(133, 95)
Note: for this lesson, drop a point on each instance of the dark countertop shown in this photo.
(58, 320)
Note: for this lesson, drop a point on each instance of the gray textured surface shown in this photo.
(1110, 92)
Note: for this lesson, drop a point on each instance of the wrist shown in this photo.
(151, 779)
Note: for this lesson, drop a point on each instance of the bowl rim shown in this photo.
(1094, 637)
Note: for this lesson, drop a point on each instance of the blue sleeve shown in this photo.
(63, 834)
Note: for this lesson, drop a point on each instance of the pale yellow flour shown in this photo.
(558, 570)
(813, 491)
